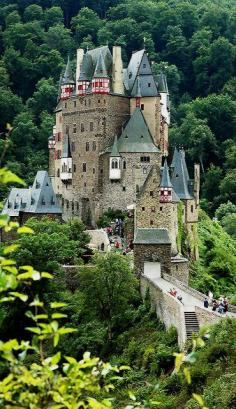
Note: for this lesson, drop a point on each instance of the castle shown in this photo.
(110, 143)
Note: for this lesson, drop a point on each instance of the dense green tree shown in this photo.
(10, 105)
(44, 98)
(53, 16)
(33, 12)
(229, 223)
(228, 185)
(59, 38)
(112, 285)
(87, 22)
(225, 209)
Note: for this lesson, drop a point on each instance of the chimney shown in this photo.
(117, 71)
(80, 54)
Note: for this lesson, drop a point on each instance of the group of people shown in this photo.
(173, 292)
(221, 305)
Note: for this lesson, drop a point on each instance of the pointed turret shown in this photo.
(66, 161)
(67, 82)
(115, 168)
(165, 185)
(85, 74)
(180, 177)
(101, 81)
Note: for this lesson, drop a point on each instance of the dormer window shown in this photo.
(149, 85)
(141, 136)
(130, 75)
(8, 204)
(32, 201)
(52, 201)
(43, 201)
(37, 185)
(126, 136)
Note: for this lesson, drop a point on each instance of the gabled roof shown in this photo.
(180, 178)
(115, 151)
(151, 236)
(165, 177)
(38, 199)
(68, 77)
(147, 86)
(66, 152)
(132, 69)
(136, 136)
(100, 70)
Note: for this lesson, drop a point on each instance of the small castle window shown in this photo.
(74, 128)
(87, 146)
(89, 102)
(177, 267)
(58, 173)
(130, 75)
(82, 127)
(85, 102)
(65, 104)
(124, 164)
(72, 206)
(192, 208)
(72, 146)
(126, 136)
(85, 184)
(114, 164)
(91, 126)
(67, 204)
(94, 146)
(143, 209)
(84, 167)
(141, 136)
(169, 192)
(99, 101)
(77, 205)
(142, 107)
(137, 188)
(124, 188)
(151, 222)
(62, 202)
(149, 84)
(151, 193)
(93, 170)
(161, 208)
(74, 168)
(67, 129)
(59, 136)
(176, 175)
(74, 104)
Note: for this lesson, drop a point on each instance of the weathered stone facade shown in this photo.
(152, 252)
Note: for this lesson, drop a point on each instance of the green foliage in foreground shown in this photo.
(216, 268)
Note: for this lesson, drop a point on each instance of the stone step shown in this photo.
(191, 323)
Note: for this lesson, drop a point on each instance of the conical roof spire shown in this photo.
(86, 68)
(100, 70)
(115, 151)
(175, 158)
(165, 178)
(68, 77)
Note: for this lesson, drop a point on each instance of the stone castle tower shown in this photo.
(110, 141)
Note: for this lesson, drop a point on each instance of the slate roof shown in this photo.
(38, 199)
(165, 177)
(180, 177)
(100, 70)
(136, 136)
(68, 77)
(131, 71)
(66, 151)
(115, 151)
(146, 79)
(86, 69)
(151, 236)
(161, 82)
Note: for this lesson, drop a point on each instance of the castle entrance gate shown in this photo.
(152, 268)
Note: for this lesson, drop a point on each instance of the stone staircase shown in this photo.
(191, 323)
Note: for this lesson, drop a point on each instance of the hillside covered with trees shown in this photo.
(193, 42)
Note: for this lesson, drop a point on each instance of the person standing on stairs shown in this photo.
(206, 303)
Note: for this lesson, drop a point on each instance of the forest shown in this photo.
(194, 44)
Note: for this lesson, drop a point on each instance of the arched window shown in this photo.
(114, 164)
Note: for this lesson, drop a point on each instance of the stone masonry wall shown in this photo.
(180, 271)
(119, 194)
(168, 309)
(152, 252)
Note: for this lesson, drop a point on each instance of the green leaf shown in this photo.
(25, 230)
(57, 304)
(63, 331)
(22, 297)
(199, 399)
(187, 375)
(179, 357)
(58, 315)
(46, 275)
(35, 330)
(10, 249)
(56, 340)
(41, 317)
(6, 176)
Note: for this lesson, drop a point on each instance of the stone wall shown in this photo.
(168, 309)
(207, 317)
(121, 193)
(152, 252)
(180, 270)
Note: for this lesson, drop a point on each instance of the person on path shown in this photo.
(214, 305)
(206, 303)
(180, 298)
